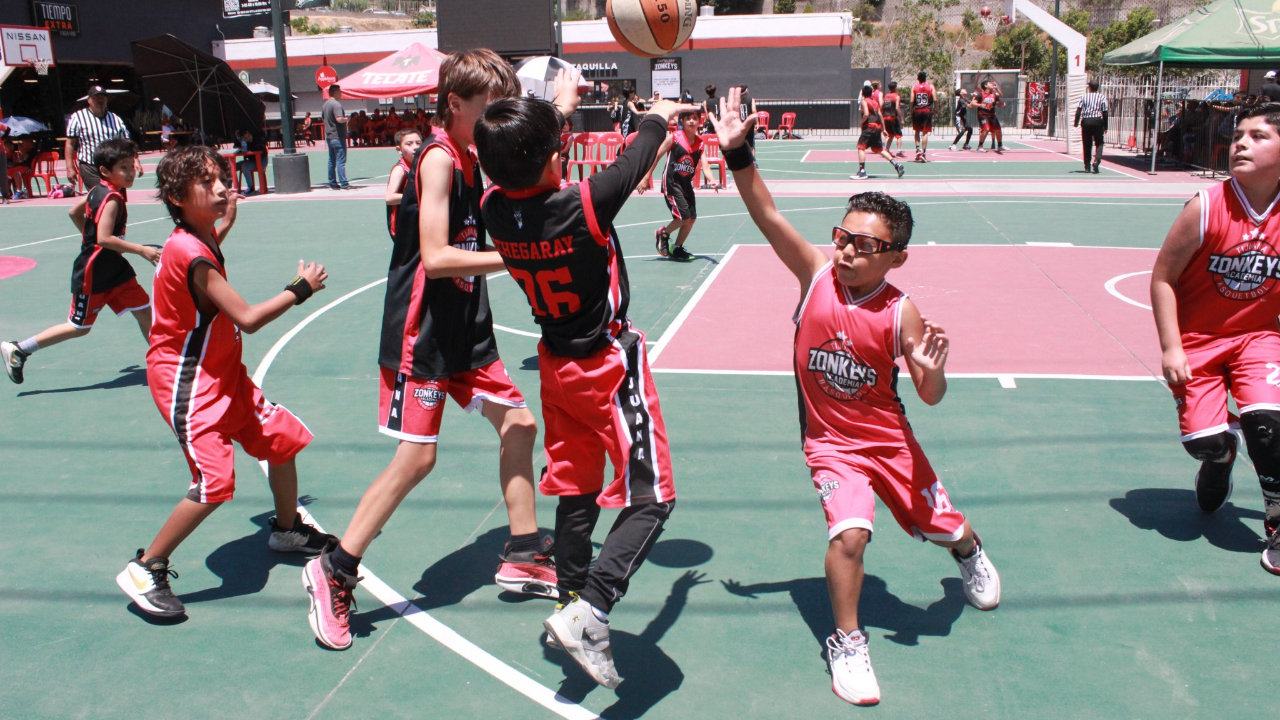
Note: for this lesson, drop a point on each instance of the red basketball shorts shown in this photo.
(848, 482)
(128, 296)
(605, 405)
(1245, 365)
(265, 430)
(410, 408)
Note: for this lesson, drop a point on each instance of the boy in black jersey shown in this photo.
(891, 112)
(684, 160)
(437, 343)
(100, 277)
(961, 114)
(598, 397)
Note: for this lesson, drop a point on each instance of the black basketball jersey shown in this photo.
(97, 269)
(683, 160)
(436, 328)
(561, 248)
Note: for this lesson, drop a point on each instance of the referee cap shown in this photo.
(1270, 74)
(99, 90)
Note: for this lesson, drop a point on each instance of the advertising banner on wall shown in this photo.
(241, 8)
(1037, 105)
(664, 74)
(59, 18)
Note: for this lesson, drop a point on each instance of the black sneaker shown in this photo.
(1096, 163)
(662, 242)
(13, 359)
(679, 253)
(902, 169)
(1213, 481)
(301, 538)
(1271, 553)
(148, 586)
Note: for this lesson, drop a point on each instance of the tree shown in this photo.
(738, 7)
(784, 6)
(1137, 23)
(913, 36)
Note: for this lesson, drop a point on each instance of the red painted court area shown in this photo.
(942, 153)
(1008, 309)
(11, 265)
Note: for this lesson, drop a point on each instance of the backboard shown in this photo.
(24, 46)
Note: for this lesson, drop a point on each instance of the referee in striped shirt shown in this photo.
(1091, 117)
(89, 128)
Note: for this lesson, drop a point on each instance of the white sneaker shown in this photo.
(585, 637)
(852, 678)
(981, 581)
(953, 148)
(981, 149)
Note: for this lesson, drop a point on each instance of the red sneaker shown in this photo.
(529, 573)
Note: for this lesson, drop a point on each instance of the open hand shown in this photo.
(732, 130)
(314, 274)
(566, 90)
(737, 588)
(930, 353)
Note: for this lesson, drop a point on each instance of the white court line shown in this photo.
(1007, 382)
(514, 331)
(420, 619)
(1111, 288)
(68, 237)
(688, 308)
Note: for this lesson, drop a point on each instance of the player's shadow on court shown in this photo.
(648, 674)
(877, 607)
(132, 376)
(1175, 515)
(244, 565)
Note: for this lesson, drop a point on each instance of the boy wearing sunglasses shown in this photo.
(851, 328)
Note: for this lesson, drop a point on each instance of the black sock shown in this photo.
(529, 542)
(344, 562)
(862, 166)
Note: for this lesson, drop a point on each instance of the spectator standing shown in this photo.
(746, 110)
(686, 98)
(1091, 118)
(5, 192)
(335, 136)
(1270, 88)
(711, 107)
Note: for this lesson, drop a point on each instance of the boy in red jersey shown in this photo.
(851, 326)
(986, 102)
(891, 111)
(872, 135)
(100, 276)
(922, 102)
(1213, 293)
(437, 343)
(198, 381)
(684, 159)
(598, 398)
(407, 143)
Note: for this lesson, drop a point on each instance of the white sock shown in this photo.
(601, 615)
(29, 346)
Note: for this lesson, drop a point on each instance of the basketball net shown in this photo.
(41, 66)
(990, 24)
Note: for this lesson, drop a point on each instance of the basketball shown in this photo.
(986, 11)
(651, 28)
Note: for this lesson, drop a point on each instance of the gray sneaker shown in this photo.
(301, 538)
(586, 638)
(13, 359)
(981, 581)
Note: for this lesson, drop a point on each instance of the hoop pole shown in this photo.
(1155, 117)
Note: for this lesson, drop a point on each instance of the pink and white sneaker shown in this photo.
(529, 573)
(331, 602)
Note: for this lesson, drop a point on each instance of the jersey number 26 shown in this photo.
(544, 291)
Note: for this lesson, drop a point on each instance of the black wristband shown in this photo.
(300, 288)
(739, 158)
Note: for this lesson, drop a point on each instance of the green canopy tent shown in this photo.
(1222, 34)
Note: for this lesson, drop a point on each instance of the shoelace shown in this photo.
(976, 571)
(343, 600)
(841, 644)
(160, 576)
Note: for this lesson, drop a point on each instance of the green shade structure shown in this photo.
(1222, 34)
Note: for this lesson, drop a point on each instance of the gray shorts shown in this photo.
(89, 176)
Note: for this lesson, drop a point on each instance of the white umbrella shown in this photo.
(538, 75)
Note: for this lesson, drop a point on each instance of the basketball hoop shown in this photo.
(990, 21)
(41, 65)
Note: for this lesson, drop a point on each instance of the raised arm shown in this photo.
(108, 240)
(229, 219)
(211, 286)
(646, 182)
(802, 259)
(924, 347)
(611, 187)
(1179, 245)
(439, 258)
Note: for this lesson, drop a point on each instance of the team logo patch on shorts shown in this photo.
(827, 489)
(1248, 270)
(839, 372)
(428, 397)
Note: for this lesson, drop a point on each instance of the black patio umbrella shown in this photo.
(198, 87)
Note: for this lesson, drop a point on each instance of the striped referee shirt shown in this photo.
(1092, 105)
(90, 131)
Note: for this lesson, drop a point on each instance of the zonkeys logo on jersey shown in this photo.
(467, 239)
(839, 372)
(1248, 270)
(685, 166)
(428, 397)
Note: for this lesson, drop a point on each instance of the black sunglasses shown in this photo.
(863, 243)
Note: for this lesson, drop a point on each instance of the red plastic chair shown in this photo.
(44, 167)
(763, 122)
(629, 138)
(584, 150)
(711, 155)
(608, 145)
(786, 125)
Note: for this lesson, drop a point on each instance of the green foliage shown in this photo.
(424, 19)
(808, 8)
(784, 6)
(738, 7)
(352, 5)
(299, 25)
(573, 15)
(1137, 23)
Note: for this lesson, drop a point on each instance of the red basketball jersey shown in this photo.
(922, 97)
(193, 363)
(845, 352)
(1229, 286)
